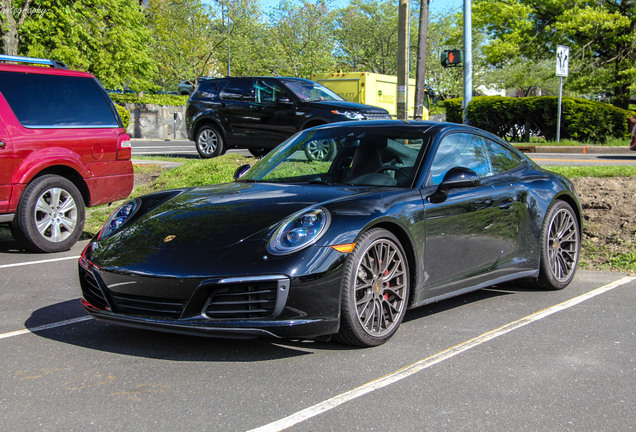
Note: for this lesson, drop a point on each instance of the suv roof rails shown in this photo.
(20, 59)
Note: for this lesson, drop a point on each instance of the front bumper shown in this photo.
(237, 307)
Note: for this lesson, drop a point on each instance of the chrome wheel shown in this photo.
(319, 150)
(55, 214)
(50, 215)
(209, 142)
(563, 245)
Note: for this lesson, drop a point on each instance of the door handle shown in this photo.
(2, 144)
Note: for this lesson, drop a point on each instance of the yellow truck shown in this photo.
(371, 89)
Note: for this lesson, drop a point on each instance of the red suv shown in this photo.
(62, 147)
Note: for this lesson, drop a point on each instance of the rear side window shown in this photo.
(239, 90)
(57, 101)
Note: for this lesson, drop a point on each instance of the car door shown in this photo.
(6, 167)
(236, 110)
(276, 119)
(469, 231)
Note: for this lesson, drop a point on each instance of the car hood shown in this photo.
(344, 105)
(220, 216)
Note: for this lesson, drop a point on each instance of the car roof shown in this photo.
(43, 70)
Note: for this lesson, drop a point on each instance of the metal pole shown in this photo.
(422, 40)
(558, 134)
(403, 60)
(468, 56)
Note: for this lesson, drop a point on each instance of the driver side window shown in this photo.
(460, 150)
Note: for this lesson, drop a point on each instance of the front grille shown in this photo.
(377, 116)
(244, 301)
(91, 291)
(149, 306)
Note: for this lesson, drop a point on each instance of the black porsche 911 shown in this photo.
(396, 215)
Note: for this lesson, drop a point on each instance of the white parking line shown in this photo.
(45, 327)
(3, 266)
(416, 367)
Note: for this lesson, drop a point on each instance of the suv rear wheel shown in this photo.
(50, 215)
(209, 142)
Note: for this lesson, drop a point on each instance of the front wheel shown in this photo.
(209, 142)
(560, 246)
(375, 290)
(50, 215)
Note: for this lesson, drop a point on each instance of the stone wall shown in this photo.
(156, 121)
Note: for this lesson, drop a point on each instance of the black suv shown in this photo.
(258, 113)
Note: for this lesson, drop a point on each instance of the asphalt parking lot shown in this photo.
(501, 359)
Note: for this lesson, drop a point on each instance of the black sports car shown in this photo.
(399, 214)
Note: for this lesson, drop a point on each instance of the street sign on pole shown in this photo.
(563, 57)
(562, 61)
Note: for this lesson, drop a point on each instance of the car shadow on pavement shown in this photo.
(7, 242)
(89, 333)
(95, 335)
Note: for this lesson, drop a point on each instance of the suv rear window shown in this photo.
(57, 101)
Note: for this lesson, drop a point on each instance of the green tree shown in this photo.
(108, 38)
(186, 36)
(300, 39)
(601, 37)
(246, 41)
(367, 36)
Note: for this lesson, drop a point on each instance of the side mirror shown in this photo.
(455, 178)
(240, 171)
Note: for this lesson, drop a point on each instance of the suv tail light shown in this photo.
(124, 147)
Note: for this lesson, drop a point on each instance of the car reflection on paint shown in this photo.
(399, 215)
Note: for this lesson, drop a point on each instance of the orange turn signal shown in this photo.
(344, 248)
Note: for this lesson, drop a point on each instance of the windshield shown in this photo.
(310, 91)
(378, 156)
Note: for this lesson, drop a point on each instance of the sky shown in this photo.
(436, 6)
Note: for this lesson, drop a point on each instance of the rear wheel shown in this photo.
(209, 142)
(560, 246)
(375, 290)
(50, 215)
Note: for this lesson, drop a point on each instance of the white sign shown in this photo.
(563, 56)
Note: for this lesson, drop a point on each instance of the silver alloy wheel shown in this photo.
(319, 149)
(380, 288)
(563, 245)
(55, 214)
(208, 141)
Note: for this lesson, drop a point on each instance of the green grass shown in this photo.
(611, 142)
(594, 171)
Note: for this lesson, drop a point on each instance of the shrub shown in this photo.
(124, 114)
(515, 119)
(156, 99)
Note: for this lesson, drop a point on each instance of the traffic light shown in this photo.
(451, 58)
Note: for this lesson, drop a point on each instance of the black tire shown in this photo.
(375, 290)
(209, 142)
(560, 247)
(259, 152)
(320, 150)
(50, 215)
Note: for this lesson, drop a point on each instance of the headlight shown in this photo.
(351, 115)
(299, 231)
(119, 217)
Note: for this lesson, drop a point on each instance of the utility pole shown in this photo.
(468, 56)
(422, 41)
(403, 60)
